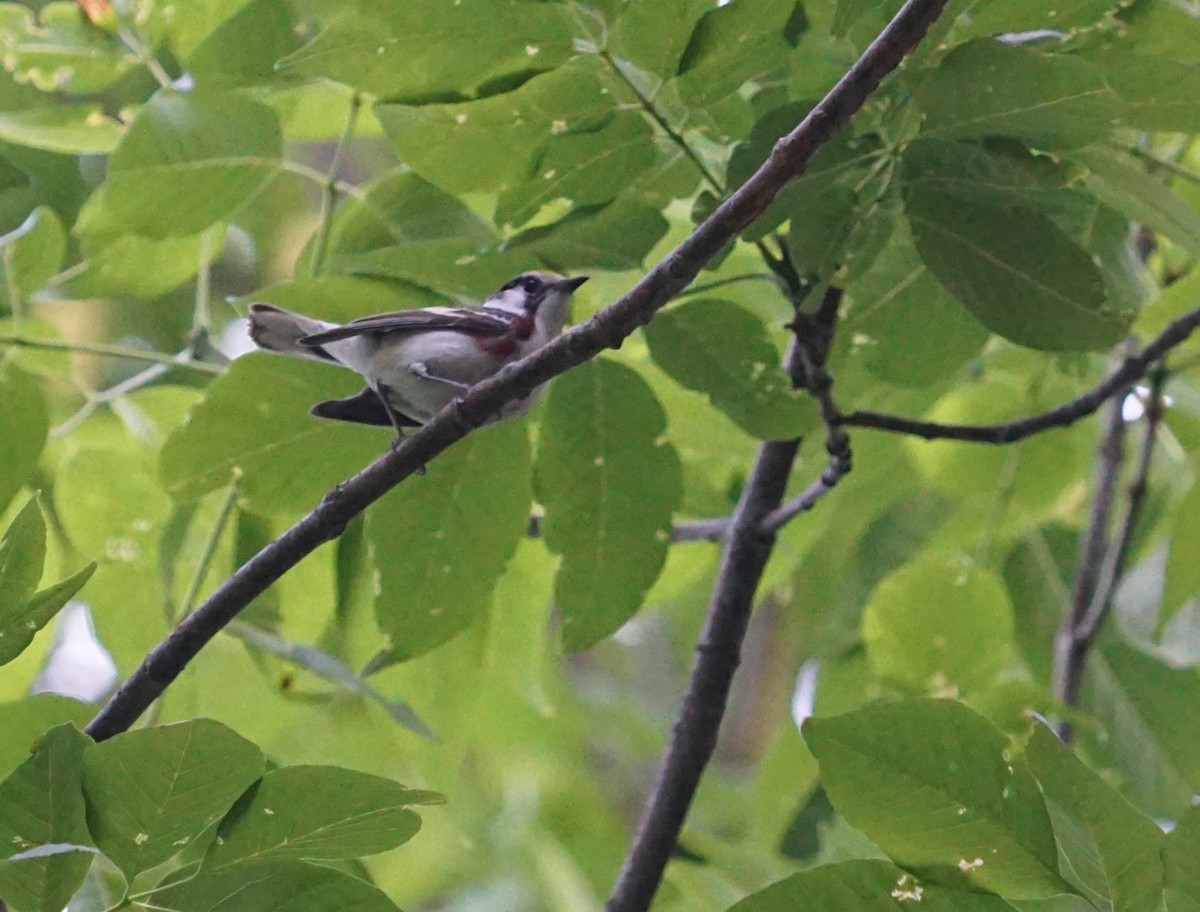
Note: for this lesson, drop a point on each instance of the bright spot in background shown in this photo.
(804, 695)
(78, 665)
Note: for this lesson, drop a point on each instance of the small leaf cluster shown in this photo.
(187, 815)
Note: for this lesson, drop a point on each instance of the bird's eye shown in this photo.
(531, 284)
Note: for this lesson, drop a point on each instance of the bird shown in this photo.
(415, 362)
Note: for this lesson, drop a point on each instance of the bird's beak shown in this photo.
(571, 284)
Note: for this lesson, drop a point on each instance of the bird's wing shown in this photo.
(473, 321)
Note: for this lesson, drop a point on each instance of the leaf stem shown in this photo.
(675, 136)
(329, 191)
(210, 548)
(180, 360)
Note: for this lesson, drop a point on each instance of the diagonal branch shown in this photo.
(606, 329)
(1133, 368)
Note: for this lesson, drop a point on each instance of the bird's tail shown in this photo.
(279, 330)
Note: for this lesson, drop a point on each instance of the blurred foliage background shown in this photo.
(1003, 213)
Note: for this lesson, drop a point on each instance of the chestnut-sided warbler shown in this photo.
(417, 361)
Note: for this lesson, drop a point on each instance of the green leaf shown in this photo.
(1147, 725)
(817, 236)
(1122, 842)
(343, 298)
(1181, 877)
(863, 886)
(26, 720)
(318, 813)
(737, 42)
(33, 253)
(276, 884)
(935, 785)
(609, 485)
(24, 426)
(617, 235)
(411, 51)
(912, 332)
(243, 49)
(1016, 272)
(22, 553)
(141, 267)
(153, 790)
(654, 34)
(73, 129)
(987, 88)
(722, 350)
(401, 209)
(1036, 471)
(441, 541)
(41, 805)
(60, 51)
(1156, 93)
(285, 459)
(991, 16)
(1130, 190)
(585, 168)
(937, 622)
(186, 161)
(1182, 571)
(494, 142)
(440, 268)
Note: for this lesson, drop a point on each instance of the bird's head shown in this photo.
(544, 296)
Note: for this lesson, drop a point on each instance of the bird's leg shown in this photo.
(420, 369)
(381, 390)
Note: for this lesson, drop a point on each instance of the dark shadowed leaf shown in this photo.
(1016, 271)
(609, 486)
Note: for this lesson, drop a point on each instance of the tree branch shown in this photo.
(1101, 567)
(1068, 650)
(694, 735)
(606, 329)
(1133, 368)
(815, 335)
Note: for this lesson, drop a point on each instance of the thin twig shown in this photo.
(329, 190)
(1132, 369)
(112, 351)
(116, 391)
(210, 548)
(1118, 551)
(606, 329)
(1068, 648)
(693, 530)
(815, 336)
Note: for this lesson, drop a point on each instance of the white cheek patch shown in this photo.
(512, 301)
